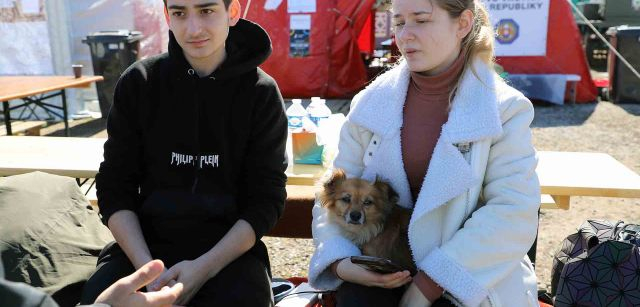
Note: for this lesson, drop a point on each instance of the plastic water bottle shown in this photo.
(296, 114)
(312, 106)
(318, 110)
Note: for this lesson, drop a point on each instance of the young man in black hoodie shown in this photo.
(193, 170)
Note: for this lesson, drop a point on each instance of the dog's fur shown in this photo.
(368, 214)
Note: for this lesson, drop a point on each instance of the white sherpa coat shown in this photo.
(476, 215)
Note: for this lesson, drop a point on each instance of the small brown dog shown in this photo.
(368, 214)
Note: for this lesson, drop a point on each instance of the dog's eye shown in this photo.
(368, 202)
(346, 199)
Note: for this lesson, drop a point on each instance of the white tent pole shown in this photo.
(60, 40)
(246, 9)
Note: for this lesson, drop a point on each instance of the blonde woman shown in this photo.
(454, 141)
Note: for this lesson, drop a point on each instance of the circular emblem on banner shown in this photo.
(635, 4)
(507, 31)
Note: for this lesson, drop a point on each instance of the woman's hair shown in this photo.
(479, 42)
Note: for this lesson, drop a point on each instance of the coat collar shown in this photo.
(474, 116)
(474, 112)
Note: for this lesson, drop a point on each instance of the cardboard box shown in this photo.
(305, 148)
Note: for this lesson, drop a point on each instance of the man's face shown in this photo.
(201, 26)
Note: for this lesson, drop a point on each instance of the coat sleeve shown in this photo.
(329, 243)
(494, 240)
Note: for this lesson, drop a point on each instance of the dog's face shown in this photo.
(357, 202)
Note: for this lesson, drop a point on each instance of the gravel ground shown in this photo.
(602, 127)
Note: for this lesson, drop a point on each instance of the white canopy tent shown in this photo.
(44, 37)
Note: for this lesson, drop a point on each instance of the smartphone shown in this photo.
(378, 265)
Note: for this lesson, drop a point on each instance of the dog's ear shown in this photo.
(336, 178)
(326, 196)
(386, 188)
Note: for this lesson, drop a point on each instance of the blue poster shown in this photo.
(299, 31)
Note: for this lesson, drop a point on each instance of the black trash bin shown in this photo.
(591, 11)
(624, 85)
(111, 53)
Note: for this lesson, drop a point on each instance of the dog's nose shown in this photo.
(355, 216)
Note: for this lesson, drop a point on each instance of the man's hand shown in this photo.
(348, 271)
(151, 287)
(124, 292)
(189, 273)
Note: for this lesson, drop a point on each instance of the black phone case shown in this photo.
(378, 265)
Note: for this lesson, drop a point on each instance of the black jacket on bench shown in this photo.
(193, 155)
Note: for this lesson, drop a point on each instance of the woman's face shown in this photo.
(427, 36)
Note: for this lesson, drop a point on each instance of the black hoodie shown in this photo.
(193, 155)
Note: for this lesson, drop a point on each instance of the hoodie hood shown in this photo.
(248, 45)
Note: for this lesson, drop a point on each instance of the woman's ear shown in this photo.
(235, 10)
(465, 24)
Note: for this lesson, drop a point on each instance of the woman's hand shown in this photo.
(189, 273)
(348, 271)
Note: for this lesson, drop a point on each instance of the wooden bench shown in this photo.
(295, 221)
(297, 217)
(31, 128)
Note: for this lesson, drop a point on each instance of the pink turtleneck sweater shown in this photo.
(426, 109)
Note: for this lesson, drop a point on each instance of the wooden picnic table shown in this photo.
(566, 174)
(64, 156)
(32, 90)
(81, 157)
(562, 174)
